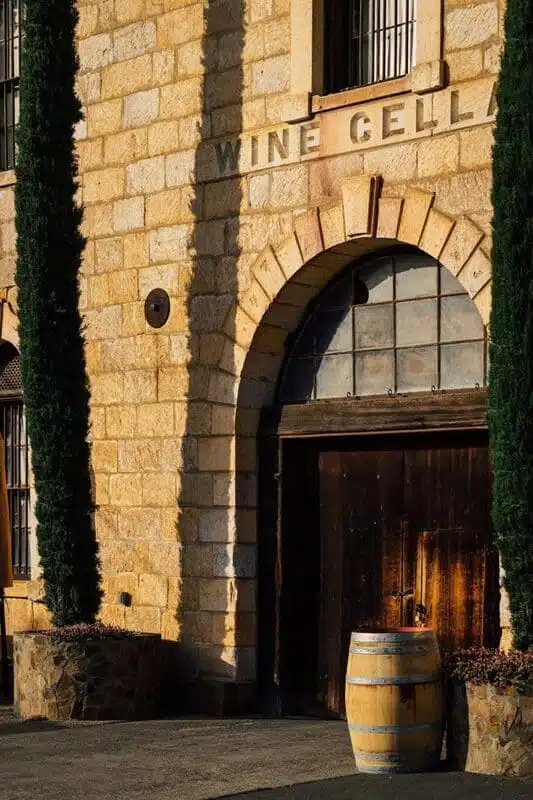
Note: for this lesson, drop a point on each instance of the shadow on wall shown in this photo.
(215, 608)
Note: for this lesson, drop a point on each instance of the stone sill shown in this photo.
(7, 178)
(363, 94)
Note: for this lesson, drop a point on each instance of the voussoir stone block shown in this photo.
(463, 240)
(476, 272)
(416, 207)
(308, 233)
(268, 273)
(289, 256)
(436, 232)
(389, 212)
(332, 224)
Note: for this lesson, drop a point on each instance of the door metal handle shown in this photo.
(406, 593)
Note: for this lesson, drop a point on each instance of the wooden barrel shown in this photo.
(394, 701)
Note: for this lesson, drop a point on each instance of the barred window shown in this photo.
(10, 19)
(368, 41)
(15, 436)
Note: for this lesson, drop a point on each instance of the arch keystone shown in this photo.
(464, 239)
(359, 197)
(389, 213)
(436, 233)
(415, 211)
(308, 234)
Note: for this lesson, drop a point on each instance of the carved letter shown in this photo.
(228, 155)
(421, 123)
(309, 138)
(393, 120)
(455, 114)
(276, 146)
(360, 128)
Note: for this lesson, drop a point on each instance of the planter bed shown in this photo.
(490, 712)
(98, 673)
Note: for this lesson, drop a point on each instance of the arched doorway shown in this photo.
(381, 454)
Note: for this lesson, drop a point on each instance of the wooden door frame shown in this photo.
(438, 411)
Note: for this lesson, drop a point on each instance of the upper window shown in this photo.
(395, 324)
(368, 41)
(10, 17)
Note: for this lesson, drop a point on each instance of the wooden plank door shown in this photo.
(447, 505)
(361, 496)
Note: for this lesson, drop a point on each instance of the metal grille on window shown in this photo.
(398, 323)
(10, 18)
(379, 37)
(14, 433)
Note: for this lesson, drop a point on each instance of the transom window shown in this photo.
(396, 324)
(368, 41)
(10, 19)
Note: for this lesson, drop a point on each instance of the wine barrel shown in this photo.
(394, 702)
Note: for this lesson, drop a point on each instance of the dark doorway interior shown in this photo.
(371, 528)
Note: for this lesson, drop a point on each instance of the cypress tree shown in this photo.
(49, 249)
(511, 352)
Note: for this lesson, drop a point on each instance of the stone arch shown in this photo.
(288, 274)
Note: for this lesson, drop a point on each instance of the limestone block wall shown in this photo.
(189, 170)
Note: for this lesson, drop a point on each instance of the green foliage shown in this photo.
(49, 248)
(511, 369)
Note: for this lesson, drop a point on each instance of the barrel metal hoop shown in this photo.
(393, 638)
(406, 728)
(416, 650)
(431, 677)
(407, 757)
(383, 770)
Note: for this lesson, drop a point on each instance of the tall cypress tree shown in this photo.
(511, 370)
(49, 248)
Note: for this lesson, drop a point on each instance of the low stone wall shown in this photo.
(87, 680)
(490, 730)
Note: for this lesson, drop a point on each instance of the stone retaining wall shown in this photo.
(490, 730)
(104, 679)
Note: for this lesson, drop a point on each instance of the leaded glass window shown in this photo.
(398, 323)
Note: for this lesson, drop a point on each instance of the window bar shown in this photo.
(360, 76)
(382, 36)
(376, 41)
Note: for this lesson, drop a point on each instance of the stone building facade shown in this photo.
(215, 166)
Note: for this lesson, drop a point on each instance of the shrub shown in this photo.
(481, 665)
(85, 633)
(49, 248)
(511, 355)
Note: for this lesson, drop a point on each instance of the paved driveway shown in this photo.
(195, 759)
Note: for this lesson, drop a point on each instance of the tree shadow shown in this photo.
(211, 601)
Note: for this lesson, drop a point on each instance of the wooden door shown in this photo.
(404, 526)
(447, 504)
(361, 547)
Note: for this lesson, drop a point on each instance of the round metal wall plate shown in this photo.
(157, 308)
